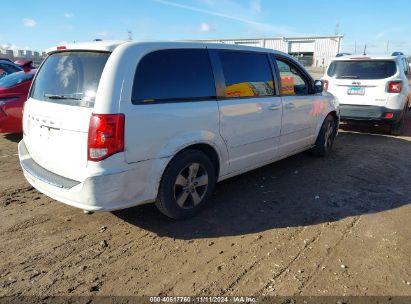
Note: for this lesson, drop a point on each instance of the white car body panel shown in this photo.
(298, 123)
(54, 132)
(245, 133)
(251, 129)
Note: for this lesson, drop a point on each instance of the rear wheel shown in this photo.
(325, 139)
(187, 184)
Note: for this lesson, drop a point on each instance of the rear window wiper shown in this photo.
(62, 96)
(349, 77)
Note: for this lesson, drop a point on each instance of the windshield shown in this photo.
(15, 79)
(370, 69)
(70, 78)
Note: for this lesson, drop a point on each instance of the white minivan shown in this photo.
(109, 125)
(372, 89)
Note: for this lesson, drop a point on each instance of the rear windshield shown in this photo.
(70, 78)
(364, 69)
(15, 79)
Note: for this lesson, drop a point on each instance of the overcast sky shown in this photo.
(40, 24)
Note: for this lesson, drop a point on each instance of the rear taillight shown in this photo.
(389, 115)
(105, 136)
(325, 85)
(394, 87)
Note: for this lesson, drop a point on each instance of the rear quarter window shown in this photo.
(364, 69)
(174, 75)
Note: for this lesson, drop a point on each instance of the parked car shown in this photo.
(112, 125)
(370, 89)
(14, 89)
(8, 67)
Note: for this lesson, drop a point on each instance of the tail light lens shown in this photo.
(394, 87)
(389, 115)
(105, 136)
(325, 85)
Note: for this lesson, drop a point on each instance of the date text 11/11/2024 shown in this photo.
(203, 299)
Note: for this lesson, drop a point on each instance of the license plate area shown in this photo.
(355, 91)
(42, 127)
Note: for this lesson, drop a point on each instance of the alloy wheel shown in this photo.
(191, 185)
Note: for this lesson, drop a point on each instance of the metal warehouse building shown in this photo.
(310, 51)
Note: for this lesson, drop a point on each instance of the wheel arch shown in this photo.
(208, 149)
(334, 114)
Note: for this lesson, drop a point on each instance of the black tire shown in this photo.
(182, 192)
(326, 136)
(397, 127)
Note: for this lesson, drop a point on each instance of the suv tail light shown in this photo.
(389, 115)
(105, 136)
(325, 85)
(394, 87)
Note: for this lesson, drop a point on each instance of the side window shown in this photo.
(292, 81)
(246, 74)
(174, 75)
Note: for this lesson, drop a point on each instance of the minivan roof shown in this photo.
(108, 46)
(111, 45)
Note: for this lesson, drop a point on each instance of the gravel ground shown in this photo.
(302, 226)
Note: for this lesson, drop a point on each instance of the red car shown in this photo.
(14, 89)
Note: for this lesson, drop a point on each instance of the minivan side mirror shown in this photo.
(318, 86)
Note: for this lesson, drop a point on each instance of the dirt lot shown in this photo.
(302, 226)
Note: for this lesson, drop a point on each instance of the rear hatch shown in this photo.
(57, 114)
(361, 82)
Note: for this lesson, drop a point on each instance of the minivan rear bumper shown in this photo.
(368, 113)
(104, 192)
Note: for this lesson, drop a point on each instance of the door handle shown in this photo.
(290, 106)
(274, 107)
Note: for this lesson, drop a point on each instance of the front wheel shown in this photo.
(187, 184)
(326, 136)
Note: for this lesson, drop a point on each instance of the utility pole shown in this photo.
(355, 47)
(388, 46)
(130, 34)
